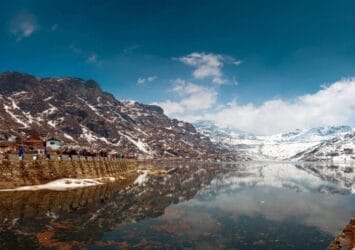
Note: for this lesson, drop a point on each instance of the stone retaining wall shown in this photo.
(23, 204)
(14, 173)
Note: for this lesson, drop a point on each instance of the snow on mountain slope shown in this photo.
(79, 113)
(284, 146)
(340, 149)
(276, 147)
(225, 136)
(235, 140)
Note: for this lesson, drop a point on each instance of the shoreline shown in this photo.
(122, 172)
(17, 173)
(63, 184)
(346, 239)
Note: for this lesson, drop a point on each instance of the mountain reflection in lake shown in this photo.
(199, 206)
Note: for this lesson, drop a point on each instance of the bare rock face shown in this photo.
(80, 113)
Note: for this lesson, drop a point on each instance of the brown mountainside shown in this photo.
(80, 113)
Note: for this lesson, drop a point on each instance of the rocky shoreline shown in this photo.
(17, 173)
(49, 219)
(346, 239)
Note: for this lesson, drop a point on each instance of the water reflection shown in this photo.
(282, 191)
(249, 205)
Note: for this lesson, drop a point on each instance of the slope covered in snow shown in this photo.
(340, 149)
(275, 147)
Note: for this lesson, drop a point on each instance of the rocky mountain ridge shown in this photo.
(81, 114)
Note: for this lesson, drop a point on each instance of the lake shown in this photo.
(255, 205)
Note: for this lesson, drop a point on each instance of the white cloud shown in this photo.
(208, 65)
(131, 49)
(171, 107)
(193, 97)
(332, 105)
(144, 80)
(92, 58)
(151, 78)
(141, 81)
(23, 25)
(75, 49)
(54, 27)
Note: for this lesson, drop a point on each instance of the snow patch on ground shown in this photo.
(142, 178)
(87, 134)
(63, 184)
(48, 98)
(51, 110)
(94, 109)
(139, 144)
(68, 137)
(89, 105)
(20, 93)
(7, 110)
(52, 123)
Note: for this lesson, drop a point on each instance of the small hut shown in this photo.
(53, 144)
(34, 143)
(4, 144)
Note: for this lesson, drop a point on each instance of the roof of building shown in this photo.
(33, 138)
(53, 139)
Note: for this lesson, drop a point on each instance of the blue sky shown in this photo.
(161, 51)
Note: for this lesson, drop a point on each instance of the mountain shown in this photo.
(219, 135)
(273, 147)
(338, 149)
(287, 145)
(78, 112)
(243, 143)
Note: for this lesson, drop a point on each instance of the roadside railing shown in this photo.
(29, 157)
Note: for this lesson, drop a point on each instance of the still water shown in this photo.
(197, 206)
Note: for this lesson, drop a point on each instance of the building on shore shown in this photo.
(34, 144)
(4, 144)
(8, 144)
(53, 144)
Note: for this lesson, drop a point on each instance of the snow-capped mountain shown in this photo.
(286, 145)
(80, 113)
(276, 147)
(223, 136)
(338, 149)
